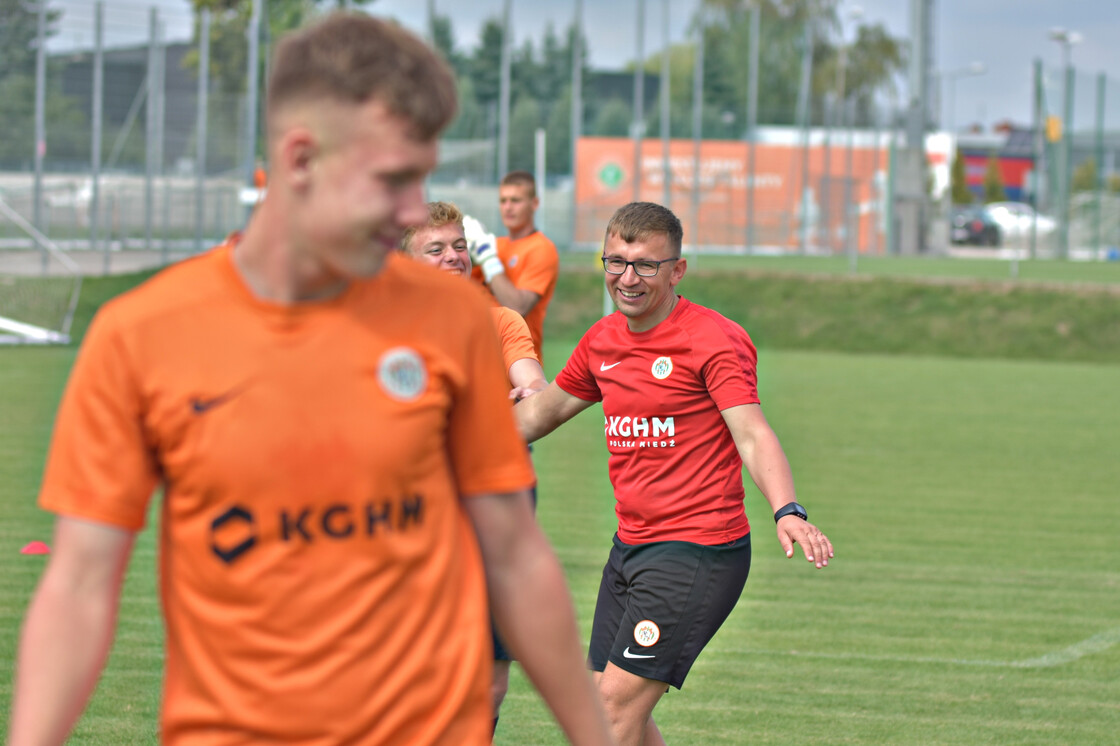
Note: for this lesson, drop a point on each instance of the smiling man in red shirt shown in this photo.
(678, 385)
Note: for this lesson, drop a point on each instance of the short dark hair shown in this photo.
(355, 58)
(521, 178)
(439, 215)
(638, 221)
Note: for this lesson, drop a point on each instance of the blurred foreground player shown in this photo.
(342, 477)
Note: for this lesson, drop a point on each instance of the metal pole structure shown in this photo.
(1038, 147)
(697, 131)
(540, 168)
(151, 135)
(752, 120)
(203, 110)
(638, 125)
(577, 106)
(666, 168)
(874, 194)
(803, 123)
(1098, 187)
(504, 93)
(1067, 157)
(851, 216)
(97, 106)
(161, 134)
(40, 126)
(252, 97)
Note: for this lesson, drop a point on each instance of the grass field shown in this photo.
(974, 598)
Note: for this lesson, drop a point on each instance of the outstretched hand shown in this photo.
(483, 247)
(795, 530)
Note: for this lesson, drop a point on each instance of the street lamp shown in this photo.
(949, 77)
(1066, 39)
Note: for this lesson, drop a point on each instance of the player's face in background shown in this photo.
(517, 206)
(364, 177)
(444, 247)
(644, 301)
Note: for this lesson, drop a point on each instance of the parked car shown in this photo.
(973, 224)
(1016, 219)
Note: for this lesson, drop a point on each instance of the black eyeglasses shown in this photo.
(644, 267)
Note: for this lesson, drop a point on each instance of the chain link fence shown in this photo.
(764, 133)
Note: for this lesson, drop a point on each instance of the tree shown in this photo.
(1084, 177)
(524, 120)
(443, 39)
(67, 126)
(612, 119)
(961, 194)
(993, 181)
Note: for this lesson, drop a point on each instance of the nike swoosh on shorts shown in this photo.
(627, 654)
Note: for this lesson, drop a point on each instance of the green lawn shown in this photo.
(974, 598)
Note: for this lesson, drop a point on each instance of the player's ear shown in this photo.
(679, 268)
(298, 150)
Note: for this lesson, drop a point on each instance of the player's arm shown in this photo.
(532, 607)
(509, 295)
(540, 414)
(483, 248)
(68, 630)
(527, 378)
(768, 466)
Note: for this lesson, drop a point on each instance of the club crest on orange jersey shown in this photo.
(402, 374)
(662, 367)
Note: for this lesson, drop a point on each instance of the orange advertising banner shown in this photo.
(787, 179)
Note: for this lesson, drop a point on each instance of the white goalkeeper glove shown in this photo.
(483, 248)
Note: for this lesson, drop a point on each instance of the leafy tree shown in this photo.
(873, 59)
(443, 39)
(485, 64)
(613, 119)
(959, 190)
(524, 119)
(470, 122)
(1114, 183)
(67, 126)
(993, 181)
(1084, 177)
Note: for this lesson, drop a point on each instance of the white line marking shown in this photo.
(1098, 643)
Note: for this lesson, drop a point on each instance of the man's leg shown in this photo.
(629, 701)
(499, 685)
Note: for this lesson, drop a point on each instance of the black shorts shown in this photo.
(660, 603)
(500, 652)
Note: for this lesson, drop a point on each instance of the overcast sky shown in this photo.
(1006, 36)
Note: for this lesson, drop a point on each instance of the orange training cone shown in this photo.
(35, 547)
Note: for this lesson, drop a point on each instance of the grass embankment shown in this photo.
(894, 315)
(866, 313)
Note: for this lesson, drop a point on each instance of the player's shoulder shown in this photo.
(418, 286)
(178, 288)
(708, 328)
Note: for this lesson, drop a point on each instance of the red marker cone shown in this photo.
(35, 547)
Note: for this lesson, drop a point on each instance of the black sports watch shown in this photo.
(791, 509)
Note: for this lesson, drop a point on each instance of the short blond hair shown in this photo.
(439, 215)
(355, 58)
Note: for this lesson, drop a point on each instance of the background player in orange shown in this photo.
(440, 243)
(329, 421)
(520, 269)
(677, 382)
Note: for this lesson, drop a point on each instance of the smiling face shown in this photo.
(441, 246)
(644, 301)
